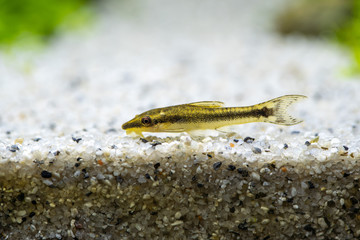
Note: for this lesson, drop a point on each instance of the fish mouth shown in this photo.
(125, 126)
(128, 125)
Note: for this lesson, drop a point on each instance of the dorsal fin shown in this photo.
(208, 104)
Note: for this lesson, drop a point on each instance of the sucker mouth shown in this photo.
(127, 125)
(124, 126)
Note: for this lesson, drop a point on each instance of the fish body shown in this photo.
(211, 115)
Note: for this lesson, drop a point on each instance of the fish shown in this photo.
(211, 115)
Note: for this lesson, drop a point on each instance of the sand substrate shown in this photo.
(222, 187)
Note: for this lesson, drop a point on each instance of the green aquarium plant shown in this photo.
(349, 35)
(27, 21)
(337, 20)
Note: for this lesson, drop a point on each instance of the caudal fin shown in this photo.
(276, 110)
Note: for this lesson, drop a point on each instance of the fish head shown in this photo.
(145, 122)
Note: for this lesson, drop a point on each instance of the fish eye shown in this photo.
(146, 120)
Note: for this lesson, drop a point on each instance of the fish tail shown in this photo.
(276, 110)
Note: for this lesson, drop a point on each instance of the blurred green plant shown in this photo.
(29, 21)
(334, 19)
(313, 18)
(349, 35)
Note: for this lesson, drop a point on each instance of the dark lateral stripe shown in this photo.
(219, 114)
(266, 112)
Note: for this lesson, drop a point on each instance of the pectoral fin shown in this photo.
(175, 130)
(208, 104)
(134, 133)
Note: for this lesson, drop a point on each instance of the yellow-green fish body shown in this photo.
(211, 115)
